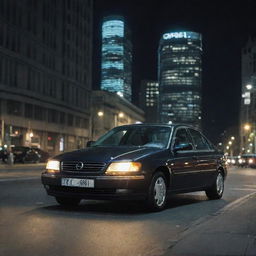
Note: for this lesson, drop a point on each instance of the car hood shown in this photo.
(107, 154)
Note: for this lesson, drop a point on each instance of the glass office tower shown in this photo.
(116, 75)
(179, 75)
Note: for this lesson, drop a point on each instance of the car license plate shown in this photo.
(82, 183)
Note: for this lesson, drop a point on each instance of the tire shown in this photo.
(217, 189)
(157, 192)
(68, 202)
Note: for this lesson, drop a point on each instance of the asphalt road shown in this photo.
(31, 223)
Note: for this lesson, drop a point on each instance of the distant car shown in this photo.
(248, 160)
(233, 160)
(44, 156)
(146, 162)
(4, 155)
(25, 155)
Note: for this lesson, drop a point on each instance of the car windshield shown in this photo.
(145, 136)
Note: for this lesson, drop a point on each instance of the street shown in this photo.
(32, 223)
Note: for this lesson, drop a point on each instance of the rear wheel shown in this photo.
(217, 189)
(65, 201)
(157, 192)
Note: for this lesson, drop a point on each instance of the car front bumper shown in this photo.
(105, 187)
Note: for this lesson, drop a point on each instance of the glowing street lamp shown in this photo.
(121, 115)
(100, 113)
(232, 138)
(247, 127)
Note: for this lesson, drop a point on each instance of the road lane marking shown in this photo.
(243, 189)
(238, 202)
(18, 179)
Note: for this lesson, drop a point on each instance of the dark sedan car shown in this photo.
(146, 162)
(25, 155)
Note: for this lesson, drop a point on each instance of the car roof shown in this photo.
(174, 125)
(158, 124)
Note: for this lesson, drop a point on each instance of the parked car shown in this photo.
(44, 156)
(4, 155)
(146, 162)
(25, 155)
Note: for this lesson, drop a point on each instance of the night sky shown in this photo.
(225, 27)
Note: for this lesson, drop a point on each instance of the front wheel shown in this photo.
(216, 191)
(157, 192)
(65, 201)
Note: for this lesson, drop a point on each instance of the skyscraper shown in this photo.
(149, 92)
(248, 99)
(179, 75)
(116, 75)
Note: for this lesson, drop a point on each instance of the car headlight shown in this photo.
(250, 161)
(240, 161)
(53, 166)
(123, 167)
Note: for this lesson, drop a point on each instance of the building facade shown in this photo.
(248, 98)
(116, 74)
(179, 76)
(149, 93)
(45, 73)
(110, 110)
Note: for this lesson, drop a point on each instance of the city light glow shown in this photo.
(247, 127)
(100, 113)
(248, 86)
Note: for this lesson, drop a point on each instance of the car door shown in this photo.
(206, 164)
(182, 163)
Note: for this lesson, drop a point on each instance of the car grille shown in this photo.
(73, 167)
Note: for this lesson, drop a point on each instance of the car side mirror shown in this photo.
(183, 147)
(89, 143)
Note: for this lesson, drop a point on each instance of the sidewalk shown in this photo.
(19, 166)
(232, 232)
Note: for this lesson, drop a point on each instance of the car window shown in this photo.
(146, 136)
(199, 141)
(114, 138)
(182, 137)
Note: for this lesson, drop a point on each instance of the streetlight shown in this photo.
(121, 115)
(93, 124)
(247, 127)
(100, 113)
(232, 138)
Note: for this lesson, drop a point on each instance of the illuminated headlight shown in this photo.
(123, 167)
(53, 166)
(250, 161)
(233, 161)
(240, 161)
(228, 161)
